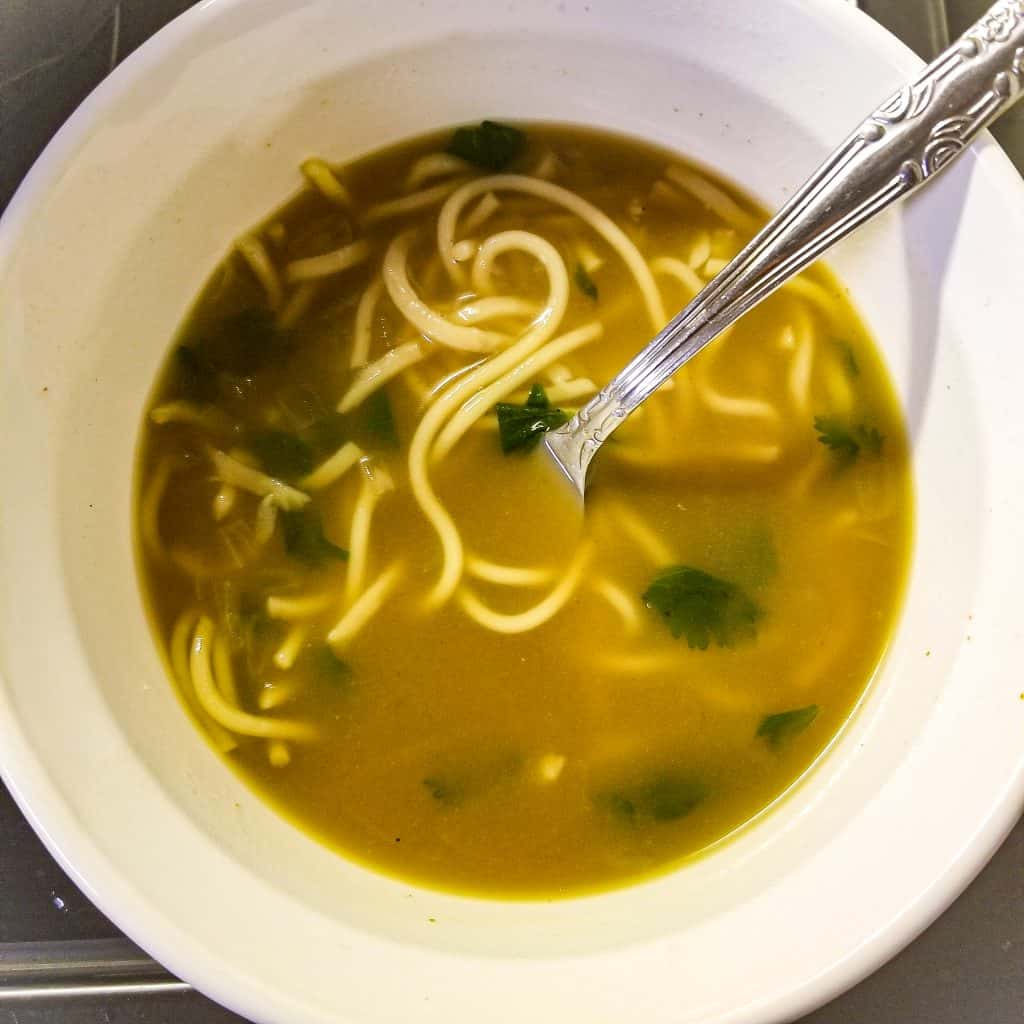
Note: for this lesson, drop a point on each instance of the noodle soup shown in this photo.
(382, 613)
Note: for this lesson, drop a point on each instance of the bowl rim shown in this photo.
(92, 870)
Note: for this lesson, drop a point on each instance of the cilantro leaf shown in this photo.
(847, 441)
(304, 537)
(489, 144)
(329, 668)
(380, 419)
(777, 729)
(869, 438)
(327, 434)
(443, 790)
(196, 376)
(246, 342)
(585, 282)
(282, 455)
(836, 436)
(702, 606)
(850, 363)
(668, 796)
(472, 779)
(520, 426)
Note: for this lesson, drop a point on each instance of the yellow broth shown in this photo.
(597, 747)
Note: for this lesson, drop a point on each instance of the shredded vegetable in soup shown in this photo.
(379, 609)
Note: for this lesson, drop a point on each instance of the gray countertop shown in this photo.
(968, 967)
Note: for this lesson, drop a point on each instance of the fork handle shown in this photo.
(902, 145)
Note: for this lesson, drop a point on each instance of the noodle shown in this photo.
(297, 305)
(228, 716)
(420, 315)
(255, 254)
(600, 222)
(484, 400)
(325, 181)
(290, 648)
(507, 575)
(373, 376)
(294, 609)
(621, 602)
(540, 613)
(364, 607)
(434, 165)
(313, 267)
(208, 417)
(232, 471)
(224, 501)
(376, 483)
(409, 204)
(682, 272)
(713, 198)
(481, 213)
(178, 651)
(495, 307)
(364, 315)
(479, 377)
(334, 468)
(149, 507)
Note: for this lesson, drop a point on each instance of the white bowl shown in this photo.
(101, 252)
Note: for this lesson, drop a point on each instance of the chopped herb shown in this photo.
(304, 537)
(777, 729)
(850, 359)
(246, 342)
(282, 455)
(702, 606)
(668, 796)
(520, 426)
(328, 434)
(465, 781)
(870, 439)
(584, 282)
(489, 144)
(302, 407)
(197, 378)
(620, 806)
(380, 419)
(847, 441)
(329, 667)
(444, 791)
(252, 613)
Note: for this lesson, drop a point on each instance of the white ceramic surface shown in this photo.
(199, 134)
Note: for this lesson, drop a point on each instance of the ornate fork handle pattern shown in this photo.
(913, 135)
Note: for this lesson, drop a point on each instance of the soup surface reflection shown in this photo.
(387, 619)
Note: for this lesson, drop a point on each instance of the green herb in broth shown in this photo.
(778, 728)
(520, 426)
(846, 441)
(585, 282)
(197, 378)
(304, 539)
(380, 419)
(330, 668)
(281, 454)
(702, 607)
(406, 654)
(667, 796)
(850, 359)
(490, 145)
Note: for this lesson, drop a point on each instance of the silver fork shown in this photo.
(900, 147)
